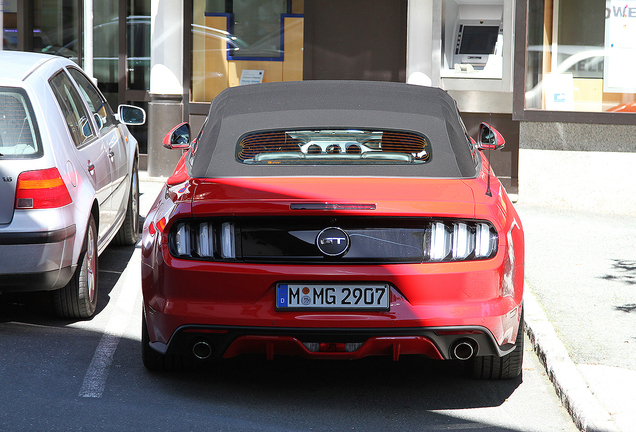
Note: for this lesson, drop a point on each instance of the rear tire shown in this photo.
(506, 367)
(152, 360)
(157, 362)
(128, 234)
(78, 299)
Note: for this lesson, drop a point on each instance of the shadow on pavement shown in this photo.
(37, 307)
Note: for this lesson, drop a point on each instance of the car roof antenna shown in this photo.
(488, 191)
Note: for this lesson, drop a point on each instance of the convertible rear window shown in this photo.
(333, 146)
(18, 132)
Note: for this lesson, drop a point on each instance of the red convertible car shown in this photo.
(333, 220)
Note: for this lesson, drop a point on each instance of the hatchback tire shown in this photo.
(78, 299)
(128, 234)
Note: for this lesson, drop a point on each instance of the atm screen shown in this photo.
(478, 39)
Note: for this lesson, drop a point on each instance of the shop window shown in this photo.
(236, 42)
(580, 55)
(55, 24)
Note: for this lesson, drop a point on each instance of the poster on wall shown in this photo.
(251, 77)
(620, 47)
(559, 92)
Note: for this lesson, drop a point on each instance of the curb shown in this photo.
(143, 176)
(586, 411)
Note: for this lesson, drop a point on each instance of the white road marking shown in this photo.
(127, 294)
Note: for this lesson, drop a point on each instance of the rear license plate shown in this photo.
(326, 296)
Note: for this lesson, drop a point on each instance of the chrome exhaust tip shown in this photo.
(201, 350)
(464, 349)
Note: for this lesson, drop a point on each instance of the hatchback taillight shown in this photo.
(41, 189)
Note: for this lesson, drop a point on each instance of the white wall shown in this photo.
(419, 41)
(583, 180)
(166, 61)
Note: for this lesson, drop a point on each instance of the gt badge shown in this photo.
(333, 242)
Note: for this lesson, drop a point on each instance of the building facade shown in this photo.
(552, 75)
(574, 98)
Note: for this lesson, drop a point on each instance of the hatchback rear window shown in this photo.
(18, 131)
(334, 146)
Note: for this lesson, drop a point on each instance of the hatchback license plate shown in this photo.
(332, 296)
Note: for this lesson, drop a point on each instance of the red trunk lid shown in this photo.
(391, 196)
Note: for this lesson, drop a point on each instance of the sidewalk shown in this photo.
(149, 188)
(580, 307)
(581, 310)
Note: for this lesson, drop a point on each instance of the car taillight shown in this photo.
(42, 189)
(443, 240)
(459, 240)
(204, 240)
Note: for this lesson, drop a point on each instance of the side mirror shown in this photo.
(131, 115)
(489, 138)
(178, 137)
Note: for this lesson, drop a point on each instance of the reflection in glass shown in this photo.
(567, 68)
(236, 36)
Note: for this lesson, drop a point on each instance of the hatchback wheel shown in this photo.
(78, 299)
(129, 231)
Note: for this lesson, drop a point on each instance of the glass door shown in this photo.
(121, 55)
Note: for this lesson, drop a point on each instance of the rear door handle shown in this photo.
(111, 154)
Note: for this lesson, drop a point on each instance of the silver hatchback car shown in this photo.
(68, 180)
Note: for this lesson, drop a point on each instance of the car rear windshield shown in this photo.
(18, 132)
(333, 146)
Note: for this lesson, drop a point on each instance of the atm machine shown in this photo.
(478, 46)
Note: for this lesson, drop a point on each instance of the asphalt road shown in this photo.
(71, 376)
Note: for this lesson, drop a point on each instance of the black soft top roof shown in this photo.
(332, 105)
